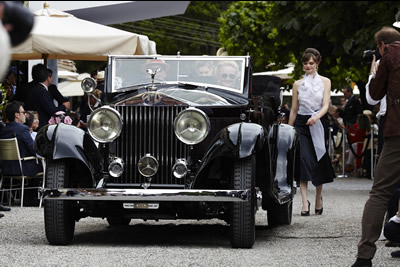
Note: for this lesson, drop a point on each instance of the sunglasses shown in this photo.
(225, 76)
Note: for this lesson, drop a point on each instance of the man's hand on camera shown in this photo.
(374, 66)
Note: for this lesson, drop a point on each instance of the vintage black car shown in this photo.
(176, 137)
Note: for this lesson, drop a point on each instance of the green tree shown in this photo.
(193, 33)
(279, 31)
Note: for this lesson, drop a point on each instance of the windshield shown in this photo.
(223, 72)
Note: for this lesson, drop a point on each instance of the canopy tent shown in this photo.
(58, 35)
(116, 12)
(66, 64)
(73, 87)
(66, 69)
(65, 74)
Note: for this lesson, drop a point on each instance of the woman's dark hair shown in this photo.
(363, 122)
(311, 53)
(29, 118)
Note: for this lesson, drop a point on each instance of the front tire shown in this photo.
(242, 221)
(59, 220)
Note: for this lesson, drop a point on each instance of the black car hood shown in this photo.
(151, 98)
(180, 97)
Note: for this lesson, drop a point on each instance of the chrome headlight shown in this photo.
(191, 126)
(104, 124)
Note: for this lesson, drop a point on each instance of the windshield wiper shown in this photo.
(195, 85)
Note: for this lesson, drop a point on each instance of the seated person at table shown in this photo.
(15, 128)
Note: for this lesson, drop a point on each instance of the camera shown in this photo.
(367, 55)
(19, 18)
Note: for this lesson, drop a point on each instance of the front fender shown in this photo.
(236, 141)
(239, 140)
(283, 141)
(244, 138)
(61, 141)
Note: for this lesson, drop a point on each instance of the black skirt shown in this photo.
(308, 168)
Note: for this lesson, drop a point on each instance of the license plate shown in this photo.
(149, 206)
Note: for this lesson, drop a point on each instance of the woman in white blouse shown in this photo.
(310, 103)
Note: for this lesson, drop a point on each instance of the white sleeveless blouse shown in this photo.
(310, 94)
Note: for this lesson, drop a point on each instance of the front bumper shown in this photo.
(145, 194)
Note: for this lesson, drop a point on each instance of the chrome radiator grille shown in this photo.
(150, 130)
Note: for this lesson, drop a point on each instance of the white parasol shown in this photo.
(72, 87)
(57, 35)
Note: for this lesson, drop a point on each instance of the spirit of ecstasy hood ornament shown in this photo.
(153, 75)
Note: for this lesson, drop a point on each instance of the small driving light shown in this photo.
(180, 168)
(116, 167)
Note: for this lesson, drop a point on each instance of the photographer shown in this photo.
(387, 39)
(385, 81)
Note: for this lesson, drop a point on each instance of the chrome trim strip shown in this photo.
(145, 194)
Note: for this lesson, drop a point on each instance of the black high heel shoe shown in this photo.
(319, 211)
(306, 213)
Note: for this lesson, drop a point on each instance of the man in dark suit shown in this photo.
(23, 90)
(352, 108)
(39, 99)
(15, 127)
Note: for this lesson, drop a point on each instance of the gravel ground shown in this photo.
(327, 240)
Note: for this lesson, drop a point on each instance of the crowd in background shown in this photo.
(43, 102)
(31, 106)
(353, 123)
(350, 118)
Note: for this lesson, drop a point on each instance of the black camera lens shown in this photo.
(21, 20)
(367, 55)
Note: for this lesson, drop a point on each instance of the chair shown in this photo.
(9, 151)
